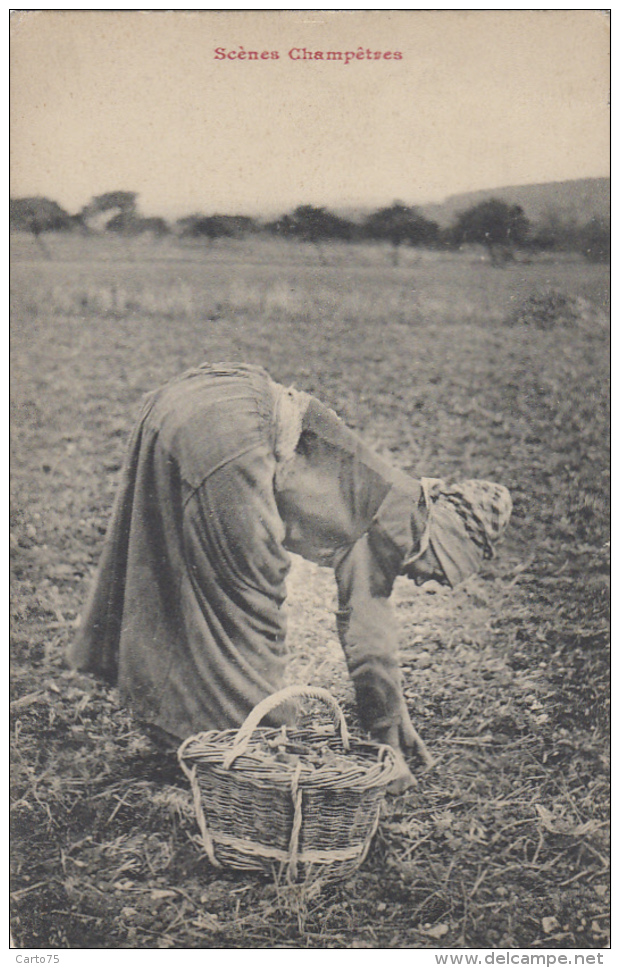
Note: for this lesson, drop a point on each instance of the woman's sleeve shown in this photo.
(369, 635)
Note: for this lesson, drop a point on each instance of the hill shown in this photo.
(580, 200)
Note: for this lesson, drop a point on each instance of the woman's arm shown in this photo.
(369, 635)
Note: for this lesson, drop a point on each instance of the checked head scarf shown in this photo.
(465, 521)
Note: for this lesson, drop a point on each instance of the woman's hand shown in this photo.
(402, 738)
(408, 738)
(404, 778)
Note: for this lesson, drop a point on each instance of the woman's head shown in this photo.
(465, 521)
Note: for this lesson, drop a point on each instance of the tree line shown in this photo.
(498, 226)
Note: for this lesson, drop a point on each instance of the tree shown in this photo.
(595, 240)
(552, 230)
(316, 225)
(564, 233)
(38, 215)
(103, 208)
(400, 224)
(154, 224)
(283, 226)
(310, 224)
(215, 226)
(495, 224)
(131, 224)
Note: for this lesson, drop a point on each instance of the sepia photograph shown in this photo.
(310, 481)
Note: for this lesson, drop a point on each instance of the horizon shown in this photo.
(138, 101)
(347, 206)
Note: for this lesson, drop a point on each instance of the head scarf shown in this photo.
(464, 522)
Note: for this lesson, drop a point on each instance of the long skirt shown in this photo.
(185, 613)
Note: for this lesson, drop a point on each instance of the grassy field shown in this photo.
(505, 842)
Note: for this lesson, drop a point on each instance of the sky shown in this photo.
(140, 101)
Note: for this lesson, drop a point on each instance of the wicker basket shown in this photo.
(306, 799)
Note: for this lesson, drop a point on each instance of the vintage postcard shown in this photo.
(310, 395)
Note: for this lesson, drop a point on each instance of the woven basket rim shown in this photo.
(206, 750)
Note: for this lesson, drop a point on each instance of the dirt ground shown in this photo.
(505, 842)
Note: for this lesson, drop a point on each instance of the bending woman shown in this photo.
(226, 473)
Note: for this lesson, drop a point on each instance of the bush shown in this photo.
(550, 308)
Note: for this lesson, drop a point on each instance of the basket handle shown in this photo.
(270, 703)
